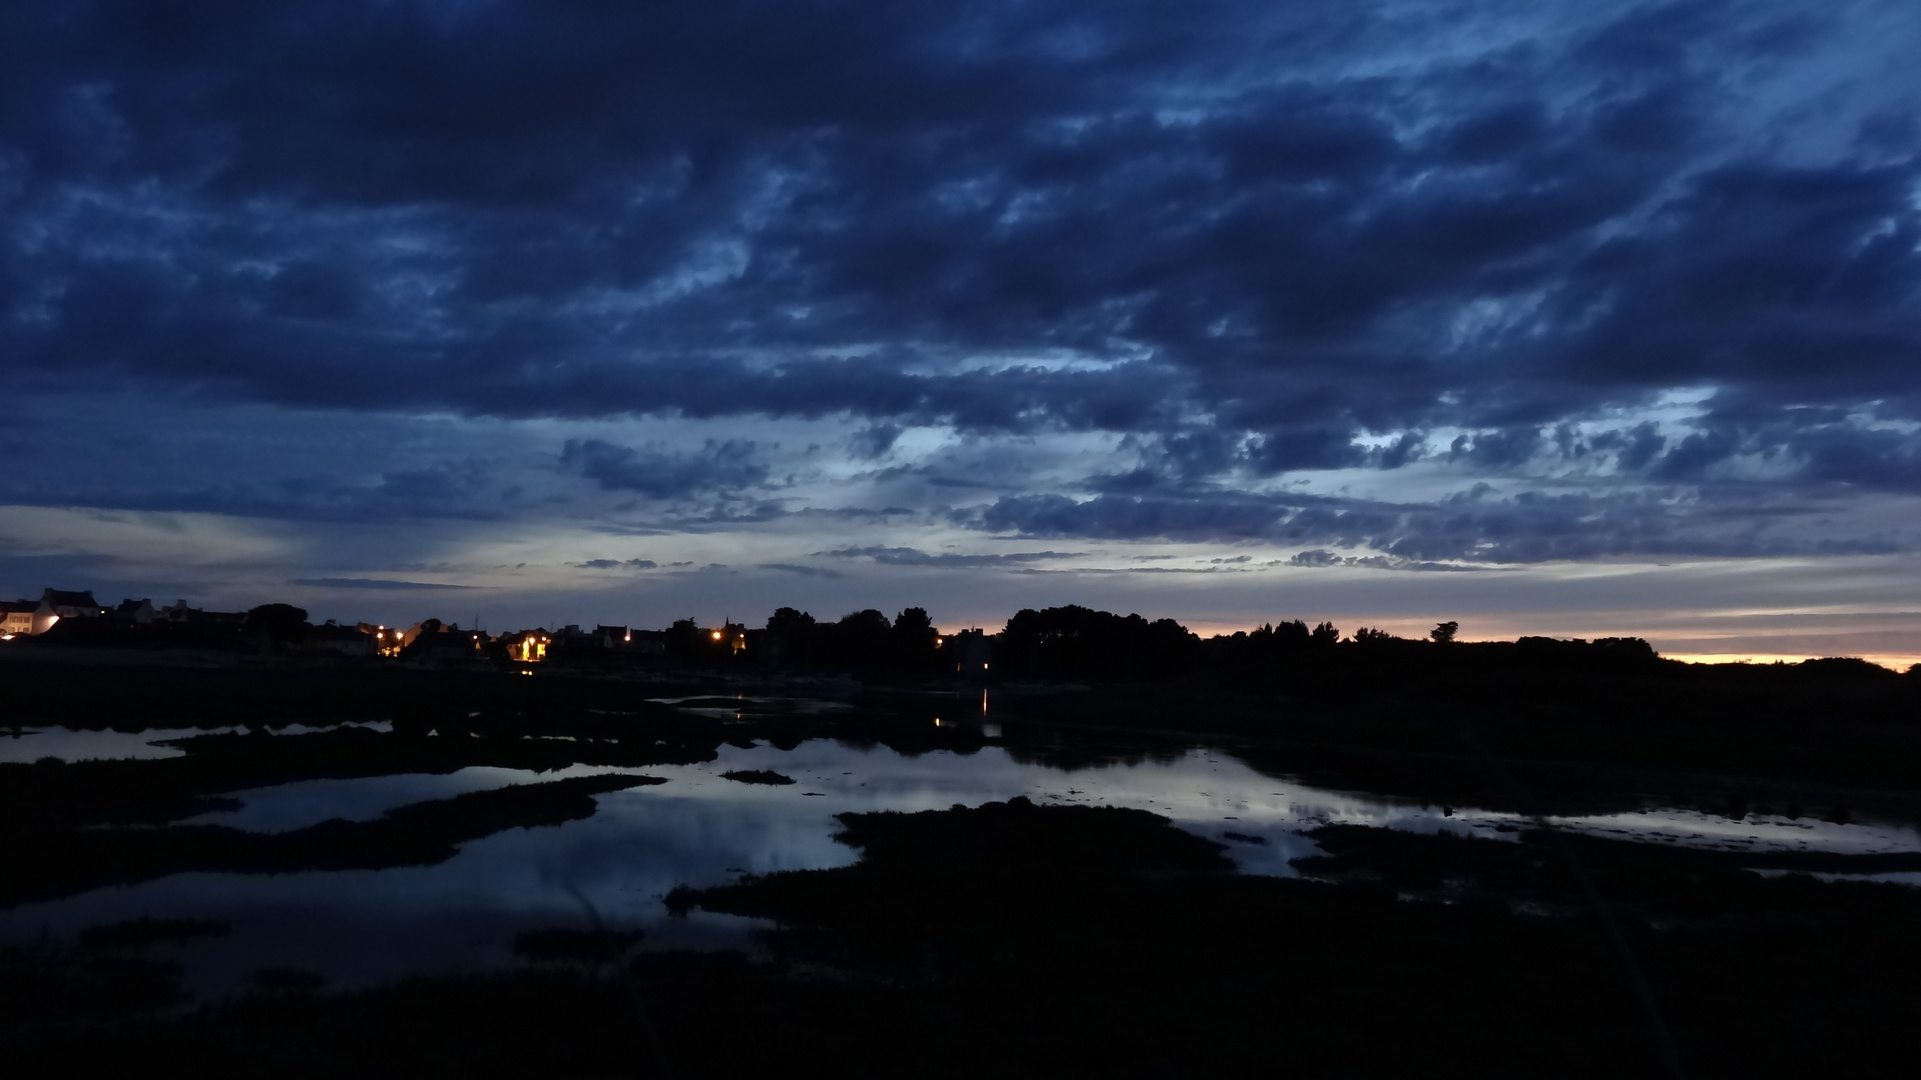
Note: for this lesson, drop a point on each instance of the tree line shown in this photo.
(1076, 642)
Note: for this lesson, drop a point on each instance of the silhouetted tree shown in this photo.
(914, 637)
(683, 640)
(790, 621)
(1081, 642)
(860, 640)
(1325, 634)
(793, 633)
(1291, 634)
(279, 622)
(1444, 632)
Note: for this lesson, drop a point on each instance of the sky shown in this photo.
(1562, 318)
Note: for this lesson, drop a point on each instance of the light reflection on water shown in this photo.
(359, 927)
(26, 745)
(32, 744)
(1201, 791)
(309, 802)
(1694, 828)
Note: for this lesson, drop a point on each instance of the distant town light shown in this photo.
(716, 635)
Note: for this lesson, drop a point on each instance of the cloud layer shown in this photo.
(1457, 283)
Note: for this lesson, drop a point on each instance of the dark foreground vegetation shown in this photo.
(1014, 940)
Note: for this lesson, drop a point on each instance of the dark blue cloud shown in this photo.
(1202, 229)
(663, 474)
(1475, 526)
(370, 583)
(803, 570)
(875, 440)
(906, 556)
(153, 465)
(1321, 557)
(1134, 517)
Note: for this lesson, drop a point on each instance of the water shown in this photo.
(29, 744)
(32, 744)
(361, 927)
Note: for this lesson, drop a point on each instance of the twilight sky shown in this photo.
(1563, 318)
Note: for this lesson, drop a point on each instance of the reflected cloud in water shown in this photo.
(361, 927)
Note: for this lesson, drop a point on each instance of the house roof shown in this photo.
(65, 598)
(10, 607)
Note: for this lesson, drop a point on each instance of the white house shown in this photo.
(57, 604)
(16, 617)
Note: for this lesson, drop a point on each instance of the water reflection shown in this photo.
(309, 802)
(30, 744)
(365, 926)
(1751, 833)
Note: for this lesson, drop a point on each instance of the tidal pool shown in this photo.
(361, 927)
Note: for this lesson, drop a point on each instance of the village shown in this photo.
(69, 625)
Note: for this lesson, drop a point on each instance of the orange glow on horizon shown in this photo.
(1896, 663)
